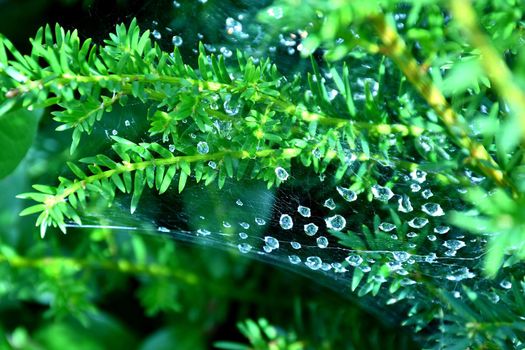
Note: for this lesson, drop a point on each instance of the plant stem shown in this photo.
(286, 106)
(121, 265)
(131, 268)
(130, 167)
(497, 71)
(397, 50)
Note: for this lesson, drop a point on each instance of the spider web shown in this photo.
(311, 224)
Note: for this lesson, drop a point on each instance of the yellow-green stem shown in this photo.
(396, 49)
(130, 167)
(287, 106)
(495, 67)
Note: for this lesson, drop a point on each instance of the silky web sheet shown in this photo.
(392, 240)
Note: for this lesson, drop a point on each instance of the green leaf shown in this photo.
(167, 179)
(138, 186)
(182, 180)
(33, 209)
(17, 132)
(463, 75)
(356, 279)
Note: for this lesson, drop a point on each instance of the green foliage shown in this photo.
(262, 336)
(442, 97)
(18, 130)
(131, 66)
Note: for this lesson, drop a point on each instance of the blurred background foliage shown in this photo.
(101, 288)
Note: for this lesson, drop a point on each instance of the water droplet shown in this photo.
(226, 224)
(310, 229)
(171, 148)
(294, 259)
(365, 268)
(404, 204)
(332, 94)
(411, 234)
(407, 282)
(354, 260)
(460, 274)
(243, 235)
(401, 256)
(162, 229)
(418, 222)
(244, 225)
(176, 40)
(260, 221)
(326, 267)
(347, 194)
(394, 236)
(382, 193)
(226, 52)
(505, 284)
(431, 238)
(394, 265)
(156, 34)
(230, 107)
(267, 249)
(418, 175)
(329, 203)
(322, 242)
(386, 226)
(114, 132)
(304, 211)
(427, 194)
(314, 262)
(430, 258)
(233, 26)
(202, 147)
(275, 12)
(451, 253)
(493, 297)
(286, 221)
(339, 268)
(295, 245)
(127, 123)
(350, 157)
(203, 232)
(271, 242)
(441, 229)
(454, 244)
(239, 203)
(415, 187)
(212, 164)
(432, 209)
(281, 173)
(244, 247)
(316, 152)
(336, 222)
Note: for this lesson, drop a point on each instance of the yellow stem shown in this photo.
(495, 67)
(396, 49)
(130, 167)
